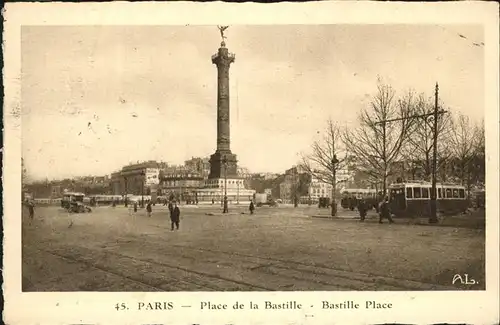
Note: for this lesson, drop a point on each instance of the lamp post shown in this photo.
(225, 209)
(126, 190)
(238, 192)
(335, 161)
(143, 174)
(295, 189)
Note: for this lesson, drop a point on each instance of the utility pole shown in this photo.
(435, 113)
(433, 216)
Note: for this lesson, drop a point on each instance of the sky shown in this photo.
(95, 98)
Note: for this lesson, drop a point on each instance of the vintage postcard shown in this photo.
(189, 163)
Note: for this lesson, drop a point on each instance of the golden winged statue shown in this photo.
(222, 29)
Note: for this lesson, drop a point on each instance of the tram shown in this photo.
(100, 200)
(351, 196)
(413, 199)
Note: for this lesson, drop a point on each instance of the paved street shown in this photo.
(275, 249)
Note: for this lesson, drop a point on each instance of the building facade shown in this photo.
(199, 165)
(180, 183)
(137, 179)
(318, 189)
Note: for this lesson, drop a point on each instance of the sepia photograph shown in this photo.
(239, 157)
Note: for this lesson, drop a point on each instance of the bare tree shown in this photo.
(465, 140)
(467, 143)
(383, 129)
(324, 162)
(417, 151)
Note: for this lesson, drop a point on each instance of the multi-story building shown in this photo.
(117, 183)
(318, 189)
(295, 170)
(140, 178)
(180, 182)
(199, 165)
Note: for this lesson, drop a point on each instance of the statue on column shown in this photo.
(222, 29)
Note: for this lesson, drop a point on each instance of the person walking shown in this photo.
(175, 215)
(362, 209)
(135, 207)
(149, 209)
(31, 209)
(251, 207)
(130, 209)
(170, 207)
(384, 211)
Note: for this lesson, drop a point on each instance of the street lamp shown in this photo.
(295, 189)
(143, 174)
(335, 161)
(224, 162)
(238, 192)
(126, 190)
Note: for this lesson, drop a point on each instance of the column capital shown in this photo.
(223, 57)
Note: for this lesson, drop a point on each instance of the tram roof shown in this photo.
(73, 193)
(359, 190)
(425, 184)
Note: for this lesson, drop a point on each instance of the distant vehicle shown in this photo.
(73, 202)
(263, 199)
(351, 196)
(413, 199)
(324, 202)
(99, 199)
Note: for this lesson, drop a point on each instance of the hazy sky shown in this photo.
(149, 92)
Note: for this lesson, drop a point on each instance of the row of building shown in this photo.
(182, 182)
(298, 183)
(185, 182)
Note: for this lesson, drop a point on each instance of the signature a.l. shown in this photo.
(463, 280)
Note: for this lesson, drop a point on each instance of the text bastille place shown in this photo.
(350, 304)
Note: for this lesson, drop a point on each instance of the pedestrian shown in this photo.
(175, 216)
(135, 207)
(362, 208)
(31, 209)
(252, 207)
(384, 211)
(170, 207)
(213, 201)
(149, 209)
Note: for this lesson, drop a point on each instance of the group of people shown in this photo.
(384, 210)
(173, 208)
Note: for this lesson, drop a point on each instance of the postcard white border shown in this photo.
(411, 307)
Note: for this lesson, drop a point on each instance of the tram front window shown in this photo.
(398, 197)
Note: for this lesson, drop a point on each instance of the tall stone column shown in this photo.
(223, 162)
(222, 59)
